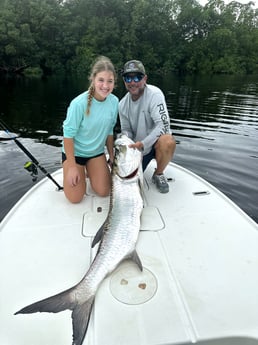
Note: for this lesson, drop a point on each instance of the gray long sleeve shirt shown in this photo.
(146, 118)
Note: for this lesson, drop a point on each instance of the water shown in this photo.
(216, 125)
(214, 121)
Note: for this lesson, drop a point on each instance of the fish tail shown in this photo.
(62, 301)
(53, 304)
(81, 318)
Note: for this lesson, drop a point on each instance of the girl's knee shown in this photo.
(74, 194)
(74, 198)
(103, 191)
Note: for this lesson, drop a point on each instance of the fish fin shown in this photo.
(53, 304)
(137, 260)
(62, 301)
(81, 317)
(140, 184)
(98, 235)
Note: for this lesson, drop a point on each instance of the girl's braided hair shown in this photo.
(101, 64)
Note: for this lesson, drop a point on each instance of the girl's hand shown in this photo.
(110, 163)
(73, 176)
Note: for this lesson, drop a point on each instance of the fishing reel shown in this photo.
(32, 169)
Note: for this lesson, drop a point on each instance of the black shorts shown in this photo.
(147, 158)
(81, 160)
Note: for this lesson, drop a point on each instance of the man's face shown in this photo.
(135, 83)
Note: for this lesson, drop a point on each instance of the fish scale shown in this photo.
(121, 233)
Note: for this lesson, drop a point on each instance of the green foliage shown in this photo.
(167, 35)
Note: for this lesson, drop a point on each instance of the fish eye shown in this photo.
(123, 148)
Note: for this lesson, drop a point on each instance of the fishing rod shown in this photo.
(30, 166)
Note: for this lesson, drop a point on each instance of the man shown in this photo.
(144, 118)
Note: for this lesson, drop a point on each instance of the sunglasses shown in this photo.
(136, 78)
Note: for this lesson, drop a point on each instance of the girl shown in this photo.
(88, 128)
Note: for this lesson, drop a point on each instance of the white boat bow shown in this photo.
(199, 283)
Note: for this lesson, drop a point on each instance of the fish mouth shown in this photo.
(134, 173)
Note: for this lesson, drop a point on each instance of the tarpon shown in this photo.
(117, 236)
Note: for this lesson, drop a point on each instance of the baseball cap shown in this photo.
(133, 66)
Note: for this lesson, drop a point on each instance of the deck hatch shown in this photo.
(151, 219)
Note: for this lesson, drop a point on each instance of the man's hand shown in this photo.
(138, 145)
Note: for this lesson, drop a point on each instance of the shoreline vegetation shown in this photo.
(46, 37)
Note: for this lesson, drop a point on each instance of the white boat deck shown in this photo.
(199, 283)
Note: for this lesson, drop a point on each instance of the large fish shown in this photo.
(117, 236)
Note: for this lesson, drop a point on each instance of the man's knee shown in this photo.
(166, 142)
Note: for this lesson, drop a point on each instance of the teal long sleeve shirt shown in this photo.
(90, 132)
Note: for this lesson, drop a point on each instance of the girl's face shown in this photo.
(104, 83)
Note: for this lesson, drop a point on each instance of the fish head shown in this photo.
(127, 160)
